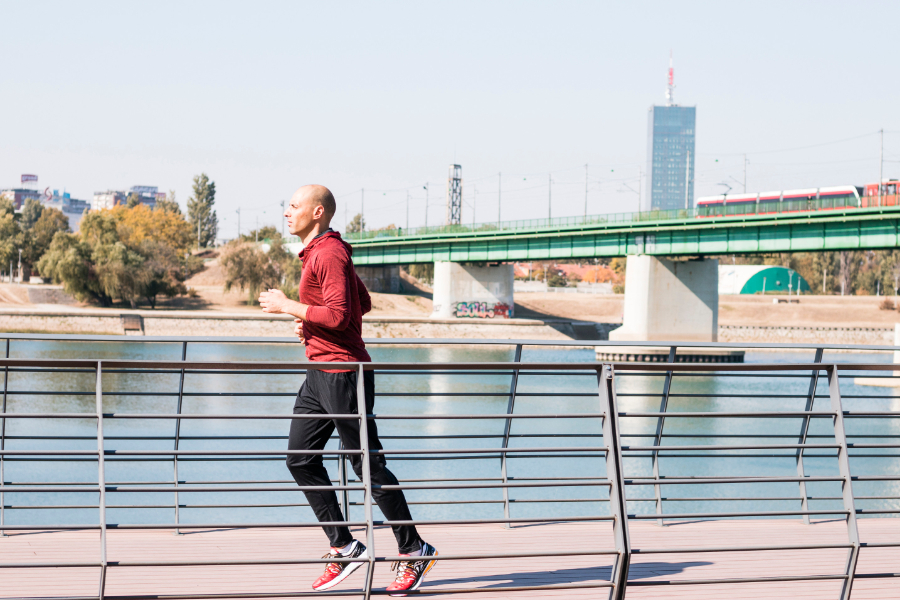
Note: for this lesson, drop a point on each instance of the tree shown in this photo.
(849, 267)
(269, 232)
(122, 254)
(31, 212)
(356, 224)
(11, 238)
(135, 225)
(201, 214)
(248, 267)
(69, 261)
(134, 199)
(41, 234)
(164, 273)
(169, 204)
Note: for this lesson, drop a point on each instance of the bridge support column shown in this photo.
(670, 300)
(472, 291)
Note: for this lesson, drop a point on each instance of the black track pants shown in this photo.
(335, 393)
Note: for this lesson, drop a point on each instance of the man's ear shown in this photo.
(318, 212)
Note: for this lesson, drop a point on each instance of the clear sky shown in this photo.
(267, 96)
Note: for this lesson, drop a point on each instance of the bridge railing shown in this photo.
(719, 210)
(604, 421)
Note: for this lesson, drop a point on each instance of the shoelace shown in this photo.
(404, 569)
(333, 567)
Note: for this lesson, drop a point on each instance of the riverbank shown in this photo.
(540, 316)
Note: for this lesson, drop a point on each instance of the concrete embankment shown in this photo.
(211, 323)
(206, 323)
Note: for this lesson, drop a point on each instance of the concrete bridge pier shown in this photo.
(466, 290)
(670, 300)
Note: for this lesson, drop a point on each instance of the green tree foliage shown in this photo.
(133, 200)
(356, 224)
(201, 212)
(39, 237)
(11, 238)
(251, 268)
(269, 232)
(169, 204)
(31, 212)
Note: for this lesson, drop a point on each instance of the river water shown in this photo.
(444, 393)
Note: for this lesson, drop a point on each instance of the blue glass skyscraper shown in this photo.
(670, 154)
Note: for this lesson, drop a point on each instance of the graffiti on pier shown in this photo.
(483, 310)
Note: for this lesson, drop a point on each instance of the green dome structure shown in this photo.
(760, 279)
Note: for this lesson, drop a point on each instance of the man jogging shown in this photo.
(328, 320)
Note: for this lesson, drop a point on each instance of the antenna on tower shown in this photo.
(670, 88)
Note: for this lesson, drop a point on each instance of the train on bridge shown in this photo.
(827, 198)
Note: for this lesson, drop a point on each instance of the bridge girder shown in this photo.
(858, 229)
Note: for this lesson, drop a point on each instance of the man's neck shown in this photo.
(315, 232)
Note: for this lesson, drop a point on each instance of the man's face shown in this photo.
(301, 214)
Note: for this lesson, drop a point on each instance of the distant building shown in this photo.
(18, 196)
(148, 195)
(72, 208)
(108, 199)
(670, 154)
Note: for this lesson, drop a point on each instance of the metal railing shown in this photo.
(848, 203)
(611, 445)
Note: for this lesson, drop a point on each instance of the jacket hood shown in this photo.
(318, 240)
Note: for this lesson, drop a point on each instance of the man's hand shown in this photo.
(298, 330)
(274, 301)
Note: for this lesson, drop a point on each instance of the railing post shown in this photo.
(657, 439)
(614, 473)
(178, 435)
(101, 480)
(840, 434)
(342, 478)
(3, 442)
(367, 478)
(804, 430)
(509, 410)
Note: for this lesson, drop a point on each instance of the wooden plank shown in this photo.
(490, 574)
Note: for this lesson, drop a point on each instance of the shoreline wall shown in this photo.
(186, 323)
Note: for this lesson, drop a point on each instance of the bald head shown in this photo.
(310, 211)
(317, 195)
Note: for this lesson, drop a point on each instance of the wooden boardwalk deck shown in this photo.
(489, 574)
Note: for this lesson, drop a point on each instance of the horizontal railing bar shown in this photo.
(201, 340)
(645, 582)
(300, 416)
(683, 481)
(300, 561)
(420, 522)
(697, 415)
(764, 513)
(733, 447)
(739, 548)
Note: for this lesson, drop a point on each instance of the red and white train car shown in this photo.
(828, 198)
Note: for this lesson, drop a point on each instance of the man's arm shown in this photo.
(334, 275)
(365, 300)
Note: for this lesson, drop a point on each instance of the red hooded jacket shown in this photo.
(337, 300)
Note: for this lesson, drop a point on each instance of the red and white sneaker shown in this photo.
(410, 573)
(336, 572)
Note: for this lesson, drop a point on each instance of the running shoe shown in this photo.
(336, 572)
(410, 573)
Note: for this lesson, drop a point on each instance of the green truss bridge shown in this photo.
(658, 233)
